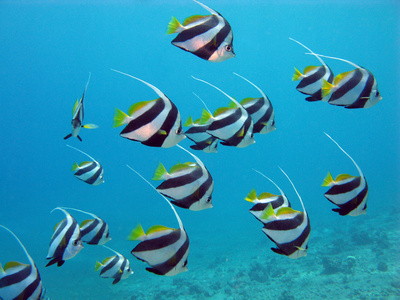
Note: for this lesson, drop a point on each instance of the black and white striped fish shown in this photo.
(262, 201)
(289, 229)
(208, 37)
(233, 125)
(198, 134)
(19, 280)
(66, 240)
(312, 78)
(353, 89)
(90, 172)
(94, 231)
(348, 192)
(116, 267)
(77, 117)
(189, 185)
(165, 249)
(155, 123)
(260, 110)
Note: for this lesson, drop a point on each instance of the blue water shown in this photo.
(48, 49)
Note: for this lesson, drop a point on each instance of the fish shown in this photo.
(165, 249)
(312, 78)
(198, 134)
(116, 267)
(77, 117)
(260, 110)
(66, 240)
(289, 229)
(155, 123)
(189, 185)
(19, 280)
(262, 201)
(349, 193)
(232, 125)
(354, 89)
(90, 172)
(208, 37)
(94, 231)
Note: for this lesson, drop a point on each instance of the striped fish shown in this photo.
(289, 229)
(77, 117)
(94, 231)
(165, 249)
(233, 125)
(208, 37)
(348, 192)
(155, 123)
(18, 280)
(116, 267)
(312, 78)
(90, 172)
(198, 134)
(189, 185)
(262, 201)
(260, 110)
(66, 240)
(354, 89)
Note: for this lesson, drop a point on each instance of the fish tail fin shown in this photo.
(205, 117)
(160, 173)
(119, 118)
(90, 126)
(252, 196)
(174, 26)
(297, 74)
(67, 136)
(97, 266)
(189, 122)
(75, 166)
(328, 181)
(326, 88)
(137, 233)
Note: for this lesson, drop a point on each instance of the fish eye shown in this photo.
(208, 200)
(179, 130)
(228, 48)
(75, 243)
(273, 123)
(185, 263)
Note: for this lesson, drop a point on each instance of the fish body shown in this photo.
(198, 134)
(312, 78)
(65, 242)
(90, 172)
(77, 117)
(165, 249)
(232, 125)
(19, 280)
(349, 193)
(260, 110)
(189, 185)
(155, 123)
(208, 37)
(116, 267)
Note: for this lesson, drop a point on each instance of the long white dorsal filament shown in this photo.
(298, 195)
(282, 193)
(82, 152)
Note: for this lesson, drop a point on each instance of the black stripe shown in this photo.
(31, 288)
(17, 277)
(86, 169)
(235, 139)
(350, 84)
(197, 129)
(347, 187)
(110, 264)
(275, 204)
(254, 107)
(195, 31)
(260, 124)
(158, 243)
(365, 94)
(99, 234)
(95, 176)
(176, 182)
(59, 252)
(354, 203)
(286, 224)
(226, 121)
(91, 227)
(318, 75)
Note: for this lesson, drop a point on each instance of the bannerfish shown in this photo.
(19, 280)
(353, 89)
(90, 172)
(165, 249)
(116, 267)
(312, 78)
(77, 117)
(155, 123)
(189, 185)
(66, 240)
(262, 201)
(208, 37)
(233, 125)
(198, 134)
(348, 192)
(289, 229)
(260, 110)
(94, 231)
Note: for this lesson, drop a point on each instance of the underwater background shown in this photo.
(48, 49)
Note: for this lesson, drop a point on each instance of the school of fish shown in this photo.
(157, 123)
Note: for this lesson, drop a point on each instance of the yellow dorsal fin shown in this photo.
(341, 177)
(205, 117)
(247, 100)
(221, 110)
(85, 222)
(13, 264)
(157, 228)
(75, 107)
(193, 19)
(232, 104)
(341, 76)
(179, 167)
(286, 211)
(309, 69)
(266, 195)
(136, 106)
